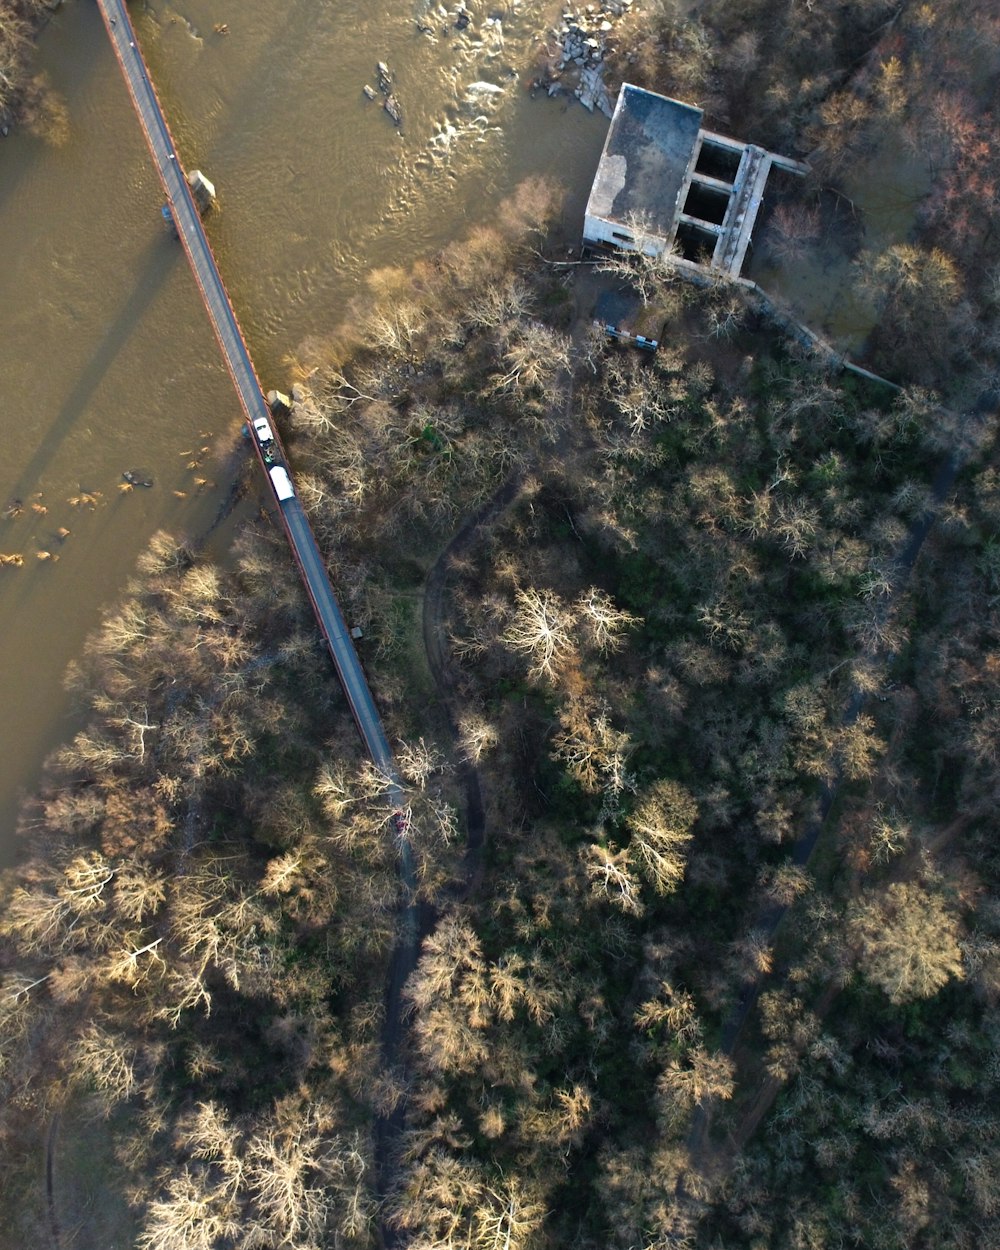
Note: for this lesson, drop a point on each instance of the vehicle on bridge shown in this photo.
(263, 431)
(266, 442)
(282, 483)
(183, 213)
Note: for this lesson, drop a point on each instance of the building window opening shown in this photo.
(706, 203)
(695, 244)
(716, 161)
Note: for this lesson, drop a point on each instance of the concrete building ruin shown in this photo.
(664, 184)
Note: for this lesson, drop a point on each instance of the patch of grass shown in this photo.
(88, 1191)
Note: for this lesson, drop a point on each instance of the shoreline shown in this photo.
(17, 75)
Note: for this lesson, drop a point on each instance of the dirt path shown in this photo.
(50, 1200)
(404, 958)
(443, 673)
(439, 657)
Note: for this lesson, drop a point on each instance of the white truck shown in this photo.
(263, 431)
(282, 483)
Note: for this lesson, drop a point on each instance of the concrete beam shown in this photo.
(790, 166)
(748, 192)
(720, 141)
(716, 184)
(682, 194)
(708, 226)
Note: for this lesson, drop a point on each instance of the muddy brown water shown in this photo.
(107, 359)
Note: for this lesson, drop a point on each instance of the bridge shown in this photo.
(188, 224)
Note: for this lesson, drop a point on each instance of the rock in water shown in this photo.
(391, 106)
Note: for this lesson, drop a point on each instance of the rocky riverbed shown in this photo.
(576, 51)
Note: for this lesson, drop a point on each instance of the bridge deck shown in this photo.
(227, 330)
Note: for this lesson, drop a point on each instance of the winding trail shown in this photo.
(405, 954)
(50, 1198)
(439, 660)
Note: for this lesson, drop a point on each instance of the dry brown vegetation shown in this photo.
(692, 640)
(18, 20)
(189, 904)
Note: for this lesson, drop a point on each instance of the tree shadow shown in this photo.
(34, 147)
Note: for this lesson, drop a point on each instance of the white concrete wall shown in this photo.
(614, 234)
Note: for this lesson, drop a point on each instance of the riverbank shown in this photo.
(649, 651)
(137, 379)
(21, 96)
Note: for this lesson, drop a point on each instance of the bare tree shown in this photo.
(533, 357)
(701, 1075)
(673, 1008)
(907, 940)
(858, 747)
(612, 878)
(604, 622)
(508, 1216)
(419, 761)
(541, 630)
(104, 1059)
(287, 1166)
(500, 303)
(139, 890)
(476, 736)
(193, 1213)
(595, 753)
(661, 830)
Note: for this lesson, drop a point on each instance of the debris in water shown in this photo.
(86, 499)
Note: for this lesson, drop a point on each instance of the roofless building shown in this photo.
(664, 184)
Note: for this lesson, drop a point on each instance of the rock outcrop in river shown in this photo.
(576, 65)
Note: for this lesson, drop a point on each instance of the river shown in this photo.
(107, 357)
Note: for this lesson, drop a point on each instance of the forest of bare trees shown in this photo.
(721, 655)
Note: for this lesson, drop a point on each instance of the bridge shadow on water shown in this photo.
(156, 263)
